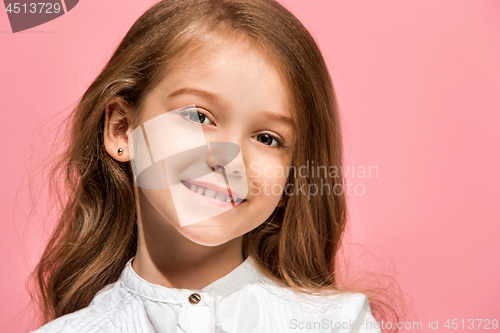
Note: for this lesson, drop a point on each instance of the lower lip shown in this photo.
(209, 200)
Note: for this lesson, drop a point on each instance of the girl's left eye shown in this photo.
(269, 140)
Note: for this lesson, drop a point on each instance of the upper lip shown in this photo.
(216, 188)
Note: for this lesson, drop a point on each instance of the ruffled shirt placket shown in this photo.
(195, 310)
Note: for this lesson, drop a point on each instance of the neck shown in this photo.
(172, 260)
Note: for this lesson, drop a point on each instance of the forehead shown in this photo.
(237, 72)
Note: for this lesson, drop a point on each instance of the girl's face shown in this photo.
(240, 99)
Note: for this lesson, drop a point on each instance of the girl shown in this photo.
(186, 210)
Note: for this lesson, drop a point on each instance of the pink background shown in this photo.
(418, 84)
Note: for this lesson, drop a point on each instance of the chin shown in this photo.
(207, 235)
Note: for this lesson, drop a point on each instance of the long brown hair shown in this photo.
(96, 232)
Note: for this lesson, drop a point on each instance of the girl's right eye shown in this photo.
(197, 117)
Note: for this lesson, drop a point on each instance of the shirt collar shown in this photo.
(242, 275)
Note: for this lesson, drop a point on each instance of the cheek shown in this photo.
(266, 187)
(267, 181)
(162, 202)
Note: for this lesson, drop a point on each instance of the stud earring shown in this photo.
(120, 151)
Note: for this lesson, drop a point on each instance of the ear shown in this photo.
(117, 128)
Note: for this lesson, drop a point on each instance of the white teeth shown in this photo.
(221, 197)
(209, 193)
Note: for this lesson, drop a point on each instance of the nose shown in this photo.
(226, 156)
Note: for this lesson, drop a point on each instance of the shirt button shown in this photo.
(194, 298)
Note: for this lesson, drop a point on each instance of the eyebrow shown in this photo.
(276, 117)
(193, 91)
(216, 99)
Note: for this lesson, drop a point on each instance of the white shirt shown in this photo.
(242, 301)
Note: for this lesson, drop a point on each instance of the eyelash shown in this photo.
(186, 113)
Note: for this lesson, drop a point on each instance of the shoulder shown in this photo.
(344, 302)
(331, 311)
(109, 309)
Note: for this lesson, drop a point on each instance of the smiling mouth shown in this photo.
(210, 193)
